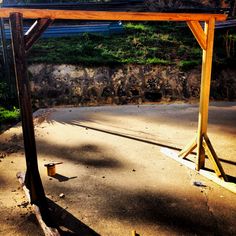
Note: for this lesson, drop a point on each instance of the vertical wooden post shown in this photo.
(205, 91)
(202, 142)
(5, 60)
(32, 180)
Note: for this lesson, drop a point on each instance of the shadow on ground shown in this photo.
(69, 224)
(86, 155)
(160, 210)
(62, 178)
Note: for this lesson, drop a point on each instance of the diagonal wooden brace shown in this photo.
(35, 31)
(206, 150)
(198, 33)
(211, 154)
(188, 148)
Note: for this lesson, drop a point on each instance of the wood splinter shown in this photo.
(48, 231)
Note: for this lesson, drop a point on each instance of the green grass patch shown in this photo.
(161, 43)
(141, 43)
(8, 116)
(139, 27)
(188, 65)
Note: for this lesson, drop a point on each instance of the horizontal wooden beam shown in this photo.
(105, 15)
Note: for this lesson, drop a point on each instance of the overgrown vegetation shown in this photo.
(141, 43)
(158, 43)
(8, 116)
(225, 53)
(8, 112)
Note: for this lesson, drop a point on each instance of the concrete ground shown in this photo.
(114, 184)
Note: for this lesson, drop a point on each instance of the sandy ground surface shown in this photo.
(114, 184)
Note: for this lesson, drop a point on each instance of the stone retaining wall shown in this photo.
(76, 85)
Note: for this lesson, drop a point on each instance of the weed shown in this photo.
(7, 116)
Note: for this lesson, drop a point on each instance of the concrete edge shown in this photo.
(207, 174)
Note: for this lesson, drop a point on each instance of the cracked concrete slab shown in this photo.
(114, 180)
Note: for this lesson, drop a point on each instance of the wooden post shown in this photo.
(205, 91)
(32, 180)
(202, 142)
(5, 60)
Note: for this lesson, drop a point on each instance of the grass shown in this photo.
(141, 43)
(188, 65)
(7, 116)
(162, 43)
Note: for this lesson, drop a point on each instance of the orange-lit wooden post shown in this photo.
(201, 142)
(205, 91)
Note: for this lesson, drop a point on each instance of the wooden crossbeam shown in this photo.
(35, 31)
(105, 15)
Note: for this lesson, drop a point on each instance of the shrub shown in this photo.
(7, 116)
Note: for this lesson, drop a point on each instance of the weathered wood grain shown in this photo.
(104, 15)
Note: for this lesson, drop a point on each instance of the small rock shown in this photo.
(199, 184)
(103, 177)
(2, 155)
(133, 170)
(24, 204)
(62, 195)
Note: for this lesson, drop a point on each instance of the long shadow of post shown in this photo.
(66, 220)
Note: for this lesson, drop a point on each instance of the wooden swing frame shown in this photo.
(21, 44)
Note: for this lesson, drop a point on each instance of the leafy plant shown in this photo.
(9, 115)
